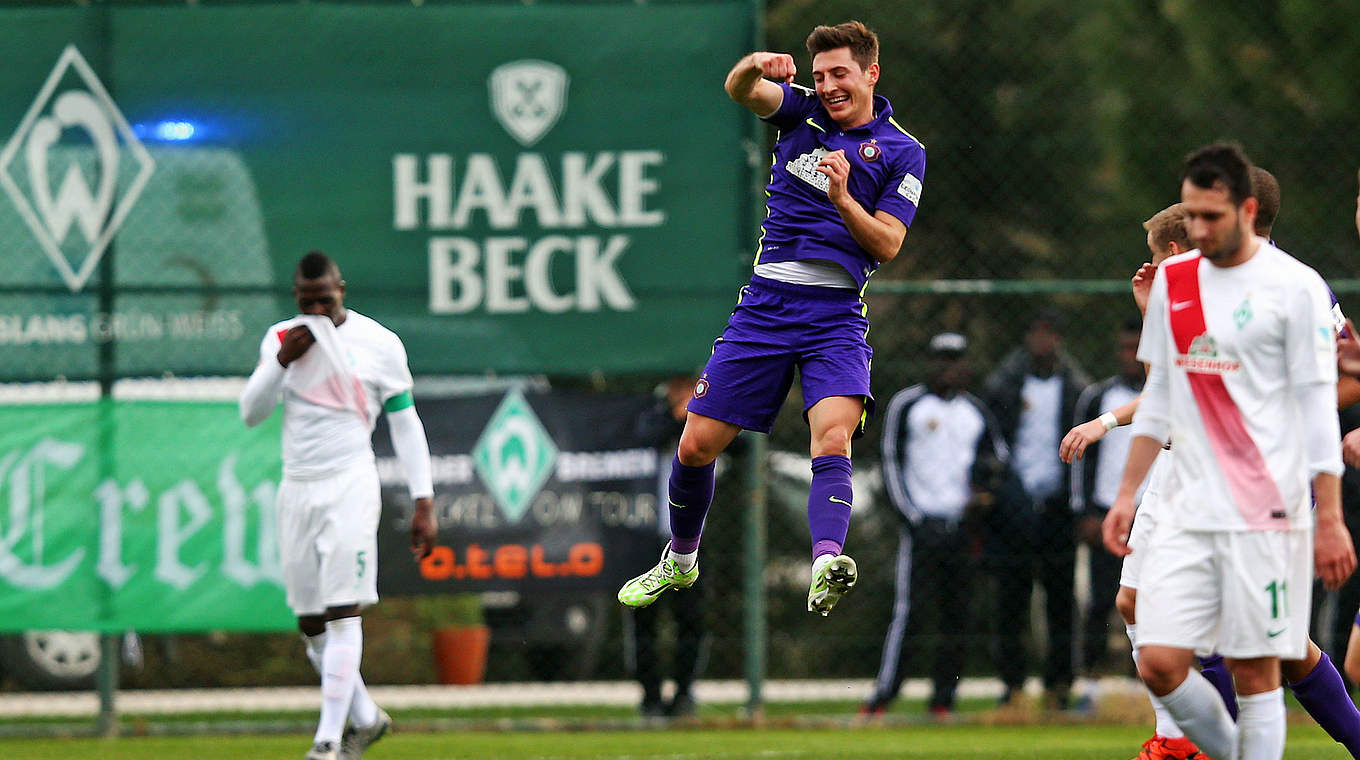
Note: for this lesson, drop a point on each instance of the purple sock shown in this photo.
(1212, 668)
(829, 503)
(1323, 694)
(691, 491)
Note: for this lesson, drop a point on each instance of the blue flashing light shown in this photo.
(174, 131)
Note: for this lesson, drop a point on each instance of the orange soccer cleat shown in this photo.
(1161, 748)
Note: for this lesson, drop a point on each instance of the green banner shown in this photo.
(115, 516)
(512, 187)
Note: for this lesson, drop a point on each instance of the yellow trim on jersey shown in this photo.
(893, 122)
(774, 161)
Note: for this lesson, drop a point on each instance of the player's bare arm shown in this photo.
(1348, 351)
(1333, 552)
(424, 528)
(1074, 444)
(295, 343)
(1143, 451)
(1350, 448)
(1142, 285)
(749, 82)
(880, 234)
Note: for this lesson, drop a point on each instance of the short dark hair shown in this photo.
(1051, 316)
(314, 266)
(861, 40)
(1220, 164)
(1266, 189)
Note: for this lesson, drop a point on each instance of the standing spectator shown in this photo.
(1032, 395)
(1095, 482)
(661, 425)
(942, 458)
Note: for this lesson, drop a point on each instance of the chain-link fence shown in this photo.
(1052, 129)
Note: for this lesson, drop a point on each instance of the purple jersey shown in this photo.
(887, 166)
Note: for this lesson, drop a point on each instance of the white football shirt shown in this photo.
(319, 440)
(1232, 345)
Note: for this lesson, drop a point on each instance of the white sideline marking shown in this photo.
(615, 693)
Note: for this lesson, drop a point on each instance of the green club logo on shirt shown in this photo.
(514, 455)
(1242, 315)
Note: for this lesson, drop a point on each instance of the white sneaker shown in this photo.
(356, 740)
(322, 751)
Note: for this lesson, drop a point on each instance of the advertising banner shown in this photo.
(534, 492)
(117, 516)
(159, 516)
(555, 187)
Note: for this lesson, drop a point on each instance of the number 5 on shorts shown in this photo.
(360, 564)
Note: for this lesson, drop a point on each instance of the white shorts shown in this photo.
(1144, 521)
(328, 539)
(1238, 593)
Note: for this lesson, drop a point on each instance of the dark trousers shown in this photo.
(687, 609)
(1105, 569)
(934, 584)
(1023, 548)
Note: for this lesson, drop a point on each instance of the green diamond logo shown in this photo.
(514, 456)
(1243, 313)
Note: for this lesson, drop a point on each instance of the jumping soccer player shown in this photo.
(843, 189)
(336, 370)
(1239, 340)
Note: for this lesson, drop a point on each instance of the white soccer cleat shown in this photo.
(830, 583)
(322, 751)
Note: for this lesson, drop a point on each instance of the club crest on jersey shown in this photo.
(869, 151)
(701, 387)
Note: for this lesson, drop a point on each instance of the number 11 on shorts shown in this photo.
(1279, 599)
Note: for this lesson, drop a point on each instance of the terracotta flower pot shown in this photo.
(460, 653)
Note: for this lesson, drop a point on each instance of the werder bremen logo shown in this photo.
(514, 456)
(528, 97)
(1203, 346)
(78, 141)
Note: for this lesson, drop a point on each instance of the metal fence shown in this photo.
(1052, 131)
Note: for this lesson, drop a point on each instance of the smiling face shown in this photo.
(844, 87)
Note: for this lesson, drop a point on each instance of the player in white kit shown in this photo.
(336, 370)
(1242, 355)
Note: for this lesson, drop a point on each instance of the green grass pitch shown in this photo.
(964, 742)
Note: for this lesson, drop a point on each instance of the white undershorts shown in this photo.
(328, 539)
(1241, 594)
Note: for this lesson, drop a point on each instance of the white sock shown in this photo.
(685, 561)
(339, 672)
(1261, 722)
(1199, 711)
(820, 562)
(363, 711)
(1165, 724)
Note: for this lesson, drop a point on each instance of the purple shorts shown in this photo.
(776, 328)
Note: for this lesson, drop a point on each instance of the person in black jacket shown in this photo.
(1095, 481)
(942, 458)
(1033, 393)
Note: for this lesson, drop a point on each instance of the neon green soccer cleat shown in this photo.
(644, 589)
(831, 583)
